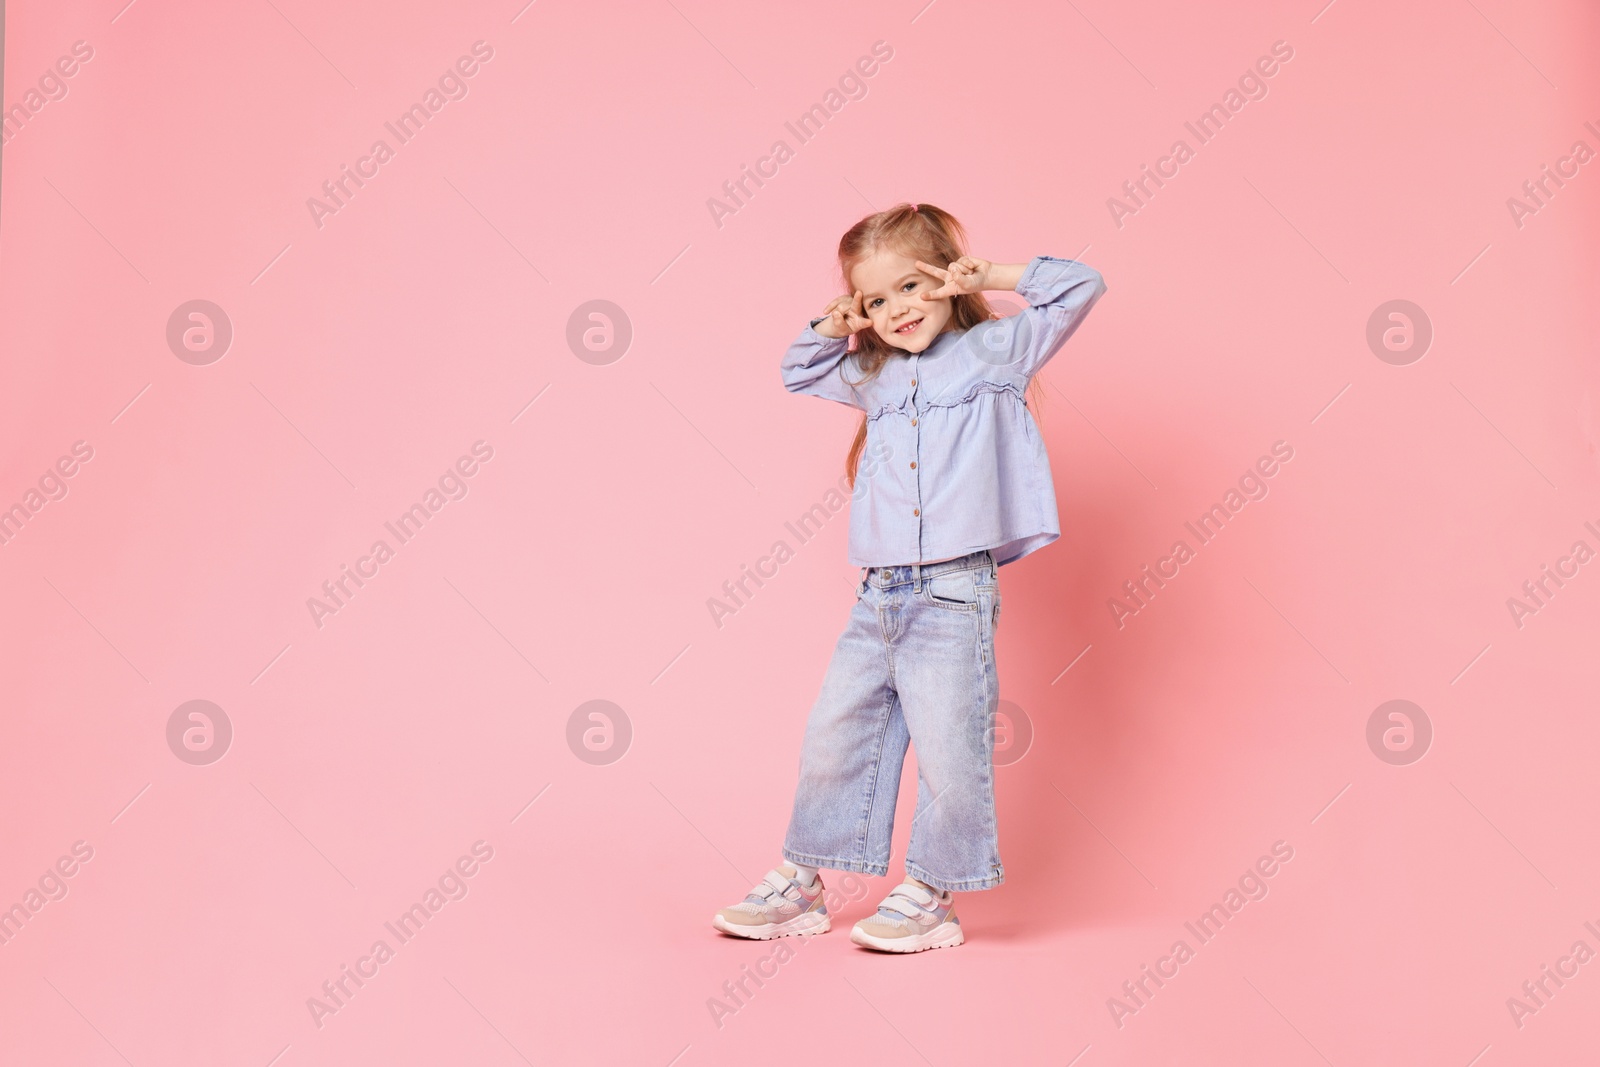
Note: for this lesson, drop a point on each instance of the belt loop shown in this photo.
(916, 577)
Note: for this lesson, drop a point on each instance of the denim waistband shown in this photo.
(914, 573)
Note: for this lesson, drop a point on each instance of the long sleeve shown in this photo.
(1060, 293)
(815, 364)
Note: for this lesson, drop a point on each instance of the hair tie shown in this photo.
(913, 209)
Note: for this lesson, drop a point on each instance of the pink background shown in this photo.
(368, 354)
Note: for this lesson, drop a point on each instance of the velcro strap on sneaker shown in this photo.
(909, 901)
(782, 884)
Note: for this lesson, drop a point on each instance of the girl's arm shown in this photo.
(1059, 292)
(815, 364)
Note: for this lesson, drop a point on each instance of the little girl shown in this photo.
(958, 485)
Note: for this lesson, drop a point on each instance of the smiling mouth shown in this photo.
(908, 328)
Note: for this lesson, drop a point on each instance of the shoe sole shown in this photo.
(809, 923)
(945, 935)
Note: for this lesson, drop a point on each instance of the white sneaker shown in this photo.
(777, 907)
(911, 918)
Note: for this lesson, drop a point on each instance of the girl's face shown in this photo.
(892, 291)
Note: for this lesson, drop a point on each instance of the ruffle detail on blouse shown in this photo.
(974, 391)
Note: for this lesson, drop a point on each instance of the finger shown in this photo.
(853, 311)
(929, 268)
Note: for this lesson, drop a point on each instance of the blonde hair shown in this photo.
(916, 231)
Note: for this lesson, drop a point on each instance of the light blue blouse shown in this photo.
(954, 462)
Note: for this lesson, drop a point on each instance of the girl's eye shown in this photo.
(879, 299)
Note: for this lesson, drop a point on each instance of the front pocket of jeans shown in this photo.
(954, 592)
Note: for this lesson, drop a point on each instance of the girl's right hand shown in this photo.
(845, 317)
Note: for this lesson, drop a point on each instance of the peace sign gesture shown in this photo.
(845, 317)
(966, 275)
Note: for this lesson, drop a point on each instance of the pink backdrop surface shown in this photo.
(181, 888)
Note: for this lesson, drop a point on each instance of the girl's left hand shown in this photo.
(966, 275)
